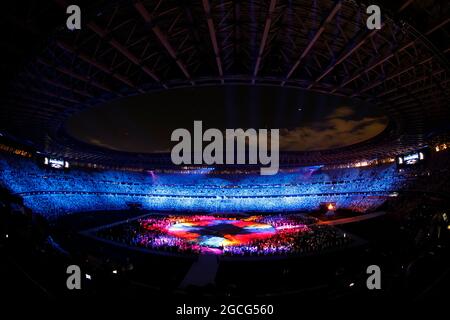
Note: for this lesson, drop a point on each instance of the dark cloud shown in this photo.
(336, 130)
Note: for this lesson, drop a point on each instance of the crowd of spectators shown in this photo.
(53, 192)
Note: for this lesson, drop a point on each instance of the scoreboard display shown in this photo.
(412, 159)
(56, 163)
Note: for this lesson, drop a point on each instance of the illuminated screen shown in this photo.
(411, 159)
(56, 163)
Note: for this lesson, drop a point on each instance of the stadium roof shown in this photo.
(127, 48)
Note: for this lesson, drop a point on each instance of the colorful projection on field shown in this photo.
(220, 234)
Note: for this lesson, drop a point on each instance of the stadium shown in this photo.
(87, 177)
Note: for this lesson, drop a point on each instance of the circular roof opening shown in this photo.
(307, 121)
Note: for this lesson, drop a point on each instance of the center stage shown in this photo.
(226, 235)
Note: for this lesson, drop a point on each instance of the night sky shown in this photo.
(307, 121)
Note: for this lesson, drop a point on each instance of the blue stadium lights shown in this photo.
(59, 192)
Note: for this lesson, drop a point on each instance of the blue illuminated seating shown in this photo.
(53, 192)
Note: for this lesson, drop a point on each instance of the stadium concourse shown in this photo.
(87, 177)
